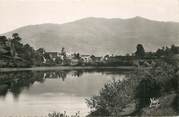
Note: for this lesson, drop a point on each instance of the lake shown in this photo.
(36, 93)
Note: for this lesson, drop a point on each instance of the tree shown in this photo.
(40, 51)
(16, 45)
(3, 45)
(28, 53)
(15, 36)
(20, 54)
(63, 52)
(147, 88)
(39, 56)
(78, 56)
(92, 57)
(140, 53)
(3, 39)
(174, 49)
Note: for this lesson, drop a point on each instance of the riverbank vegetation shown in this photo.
(133, 96)
(14, 53)
(64, 114)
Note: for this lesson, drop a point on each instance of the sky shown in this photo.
(18, 13)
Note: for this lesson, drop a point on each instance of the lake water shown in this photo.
(33, 93)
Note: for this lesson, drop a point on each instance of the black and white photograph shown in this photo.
(89, 58)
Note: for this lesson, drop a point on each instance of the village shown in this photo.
(13, 53)
(65, 58)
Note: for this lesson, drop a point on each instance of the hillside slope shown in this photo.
(101, 36)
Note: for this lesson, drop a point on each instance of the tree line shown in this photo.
(159, 53)
(14, 53)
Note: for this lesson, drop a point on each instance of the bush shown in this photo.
(59, 114)
(113, 98)
(139, 88)
(147, 88)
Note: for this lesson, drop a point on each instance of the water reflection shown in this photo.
(16, 82)
(36, 93)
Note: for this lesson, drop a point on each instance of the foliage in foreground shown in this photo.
(59, 114)
(139, 88)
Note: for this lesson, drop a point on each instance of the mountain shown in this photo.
(100, 36)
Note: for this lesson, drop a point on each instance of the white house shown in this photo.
(86, 58)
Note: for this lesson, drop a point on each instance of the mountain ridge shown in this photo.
(101, 36)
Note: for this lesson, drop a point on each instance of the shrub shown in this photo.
(139, 88)
(59, 114)
(113, 98)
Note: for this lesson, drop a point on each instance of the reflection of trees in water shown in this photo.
(16, 82)
(78, 73)
(63, 74)
(3, 89)
(55, 74)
